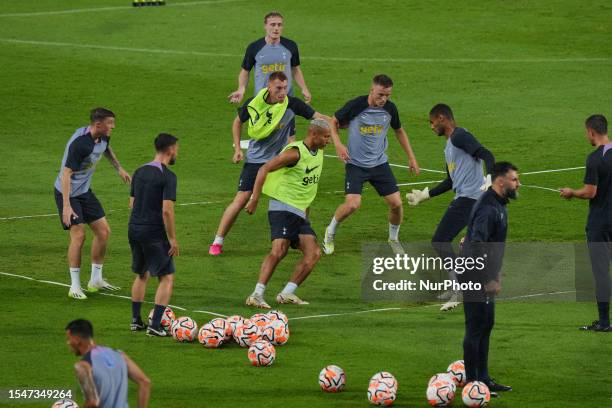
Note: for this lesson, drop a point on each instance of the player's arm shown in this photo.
(286, 158)
(84, 376)
(243, 81)
(587, 192)
(68, 213)
(418, 196)
(236, 133)
(341, 149)
(483, 228)
(402, 138)
(298, 76)
(136, 374)
(110, 155)
(168, 215)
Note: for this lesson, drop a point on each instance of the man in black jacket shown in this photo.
(485, 239)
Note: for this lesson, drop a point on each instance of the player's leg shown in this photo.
(101, 231)
(599, 252)
(483, 359)
(231, 213)
(311, 254)
(383, 181)
(160, 265)
(474, 328)
(139, 267)
(279, 249)
(354, 178)
(77, 239)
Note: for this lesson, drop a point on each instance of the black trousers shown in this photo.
(479, 321)
(453, 221)
(600, 251)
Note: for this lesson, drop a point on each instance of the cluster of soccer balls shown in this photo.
(260, 333)
(442, 387)
(382, 389)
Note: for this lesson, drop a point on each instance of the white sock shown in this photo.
(75, 279)
(218, 240)
(332, 226)
(290, 288)
(96, 273)
(260, 288)
(393, 232)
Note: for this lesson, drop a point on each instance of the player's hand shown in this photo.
(493, 287)
(68, 215)
(566, 193)
(307, 95)
(125, 176)
(486, 183)
(342, 153)
(174, 248)
(236, 96)
(413, 165)
(417, 196)
(251, 205)
(238, 155)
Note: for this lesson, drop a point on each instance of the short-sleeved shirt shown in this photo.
(269, 58)
(110, 375)
(151, 185)
(81, 155)
(367, 128)
(599, 173)
(464, 169)
(261, 151)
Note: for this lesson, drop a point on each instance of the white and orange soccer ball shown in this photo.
(380, 393)
(476, 394)
(260, 320)
(212, 334)
(441, 390)
(246, 333)
(65, 403)
(278, 315)
(184, 329)
(233, 321)
(261, 353)
(168, 317)
(276, 332)
(457, 372)
(387, 378)
(332, 379)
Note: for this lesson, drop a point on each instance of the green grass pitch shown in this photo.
(521, 75)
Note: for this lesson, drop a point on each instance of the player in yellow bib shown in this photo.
(290, 180)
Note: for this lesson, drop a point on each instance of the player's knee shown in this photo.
(241, 199)
(77, 236)
(103, 232)
(395, 205)
(353, 205)
(278, 253)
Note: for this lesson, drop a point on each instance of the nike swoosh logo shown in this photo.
(309, 170)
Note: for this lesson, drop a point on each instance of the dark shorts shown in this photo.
(287, 225)
(86, 206)
(380, 177)
(248, 176)
(150, 248)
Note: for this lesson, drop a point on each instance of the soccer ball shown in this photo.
(261, 353)
(476, 394)
(64, 403)
(379, 393)
(278, 315)
(246, 333)
(457, 372)
(440, 376)
(212, 334)
(332, 379)
(184, 329)
(441, 391)
(276, 332)
(260, 320)
(386, 378)
(167, 318)
(233, 321)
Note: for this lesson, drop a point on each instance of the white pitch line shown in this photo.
(312, 57)
(540, 187)
(420, 182)
(114, 8)
(551, 171)
(210, 313)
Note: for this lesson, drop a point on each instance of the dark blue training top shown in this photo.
(151, 185)
(599, 173)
